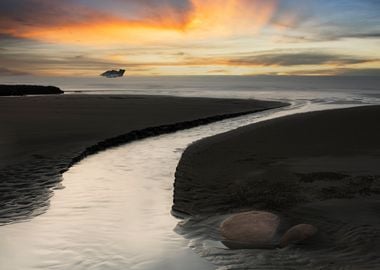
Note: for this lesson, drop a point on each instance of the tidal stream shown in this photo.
(112, 210)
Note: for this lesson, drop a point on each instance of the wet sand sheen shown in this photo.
(40, 136)
(85, 228)
(115, 210)
(319, 168)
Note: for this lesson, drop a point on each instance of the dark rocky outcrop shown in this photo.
(22, 90)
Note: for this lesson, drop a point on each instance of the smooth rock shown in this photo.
(254, 229)
(298, 233)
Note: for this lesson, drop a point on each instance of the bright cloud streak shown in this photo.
(231, 16)
(205, 18)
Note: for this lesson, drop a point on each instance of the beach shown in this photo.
(282, 163)
(190, 134)
(42, 136)
(319, 168)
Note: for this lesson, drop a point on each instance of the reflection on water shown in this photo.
(114, 212)
(259, 87)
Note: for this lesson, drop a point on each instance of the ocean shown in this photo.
(331, 89)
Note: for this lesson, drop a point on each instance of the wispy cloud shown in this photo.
(297, 59)
(10, 72)
(131, 21)
(373, 72)
(358, 72)
(220, 64)
(212, 36)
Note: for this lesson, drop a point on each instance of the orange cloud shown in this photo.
(231, 16)
(205, 18)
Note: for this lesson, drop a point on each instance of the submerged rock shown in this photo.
(298, 233)
(259, 230)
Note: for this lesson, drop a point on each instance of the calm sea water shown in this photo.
(264, 87)
(112, 210)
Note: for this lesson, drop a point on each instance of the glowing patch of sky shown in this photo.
(164, 37)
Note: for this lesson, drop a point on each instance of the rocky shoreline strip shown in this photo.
(23, 90)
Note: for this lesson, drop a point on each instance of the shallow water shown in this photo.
(112, 210)
(315, 88)
(348, 239)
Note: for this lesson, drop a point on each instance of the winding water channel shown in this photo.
(113, 211)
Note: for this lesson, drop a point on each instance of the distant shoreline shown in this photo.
(23, 90)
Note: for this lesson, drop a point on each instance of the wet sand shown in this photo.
(320, 168)
(282, 163)
(41, 135)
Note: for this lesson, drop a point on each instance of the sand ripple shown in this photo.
(345, 241)
(26, 189)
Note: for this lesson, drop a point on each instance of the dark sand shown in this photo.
(321, 168)
(282, 163)
(39, 136)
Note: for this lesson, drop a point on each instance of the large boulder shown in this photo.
(254, 229)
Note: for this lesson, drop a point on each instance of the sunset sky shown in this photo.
(190, 37)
